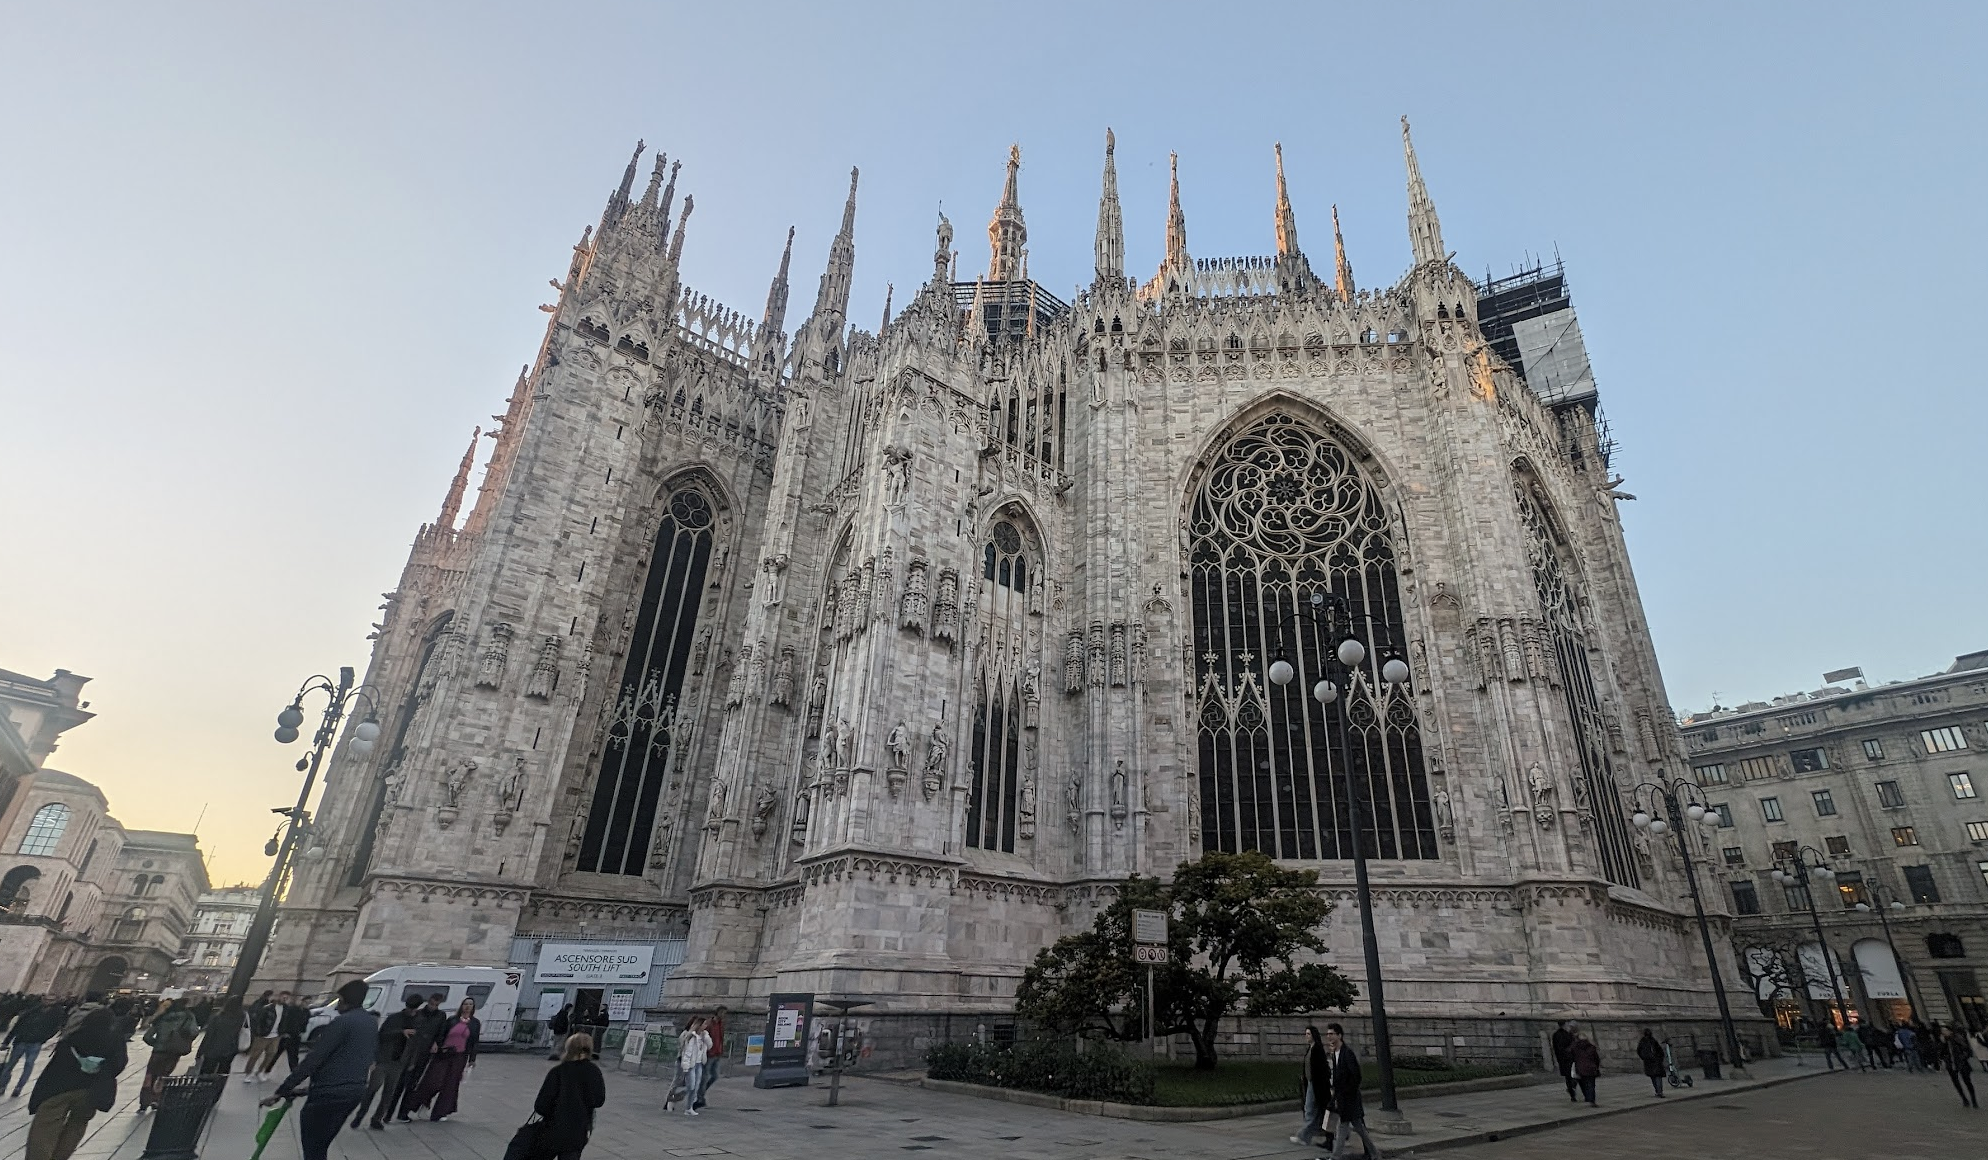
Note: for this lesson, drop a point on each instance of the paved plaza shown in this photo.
(1784, 1110)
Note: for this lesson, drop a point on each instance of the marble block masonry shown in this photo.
(870, 663)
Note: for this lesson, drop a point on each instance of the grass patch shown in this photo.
(1260, 1081)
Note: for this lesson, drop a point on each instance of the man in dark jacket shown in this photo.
(36, 1026)
(79, 1081)
(391, 1056)
(261, 1018)
(427, 1022)
(1344, 1068)
(336, 1068)
(290, 1028)
(1563, 1056)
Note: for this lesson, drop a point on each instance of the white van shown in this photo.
(495, 990)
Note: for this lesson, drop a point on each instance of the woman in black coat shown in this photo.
(567, 1099)
(220, 1038)
(1652, 1054)
(79, 1082)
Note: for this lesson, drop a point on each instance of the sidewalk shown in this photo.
(876, 1117)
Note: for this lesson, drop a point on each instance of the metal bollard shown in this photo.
(184, 1106)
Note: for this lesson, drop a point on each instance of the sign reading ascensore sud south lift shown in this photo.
(594, 963)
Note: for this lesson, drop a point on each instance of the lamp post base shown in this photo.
(1390, 1123)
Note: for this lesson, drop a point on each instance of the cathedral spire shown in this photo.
(676, 243)
(1425, 233)
(618, 204)
(1006, 232)
(655, 182)
(1177, 258)
(1287, 220)
(663, 206)
(452, 502)
(776, 294)
(1343, 279)
(890, 290)
(833, 296)
(1111, 222)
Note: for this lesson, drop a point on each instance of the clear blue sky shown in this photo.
(267, 265)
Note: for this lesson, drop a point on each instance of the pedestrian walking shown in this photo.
(1959, 1056)
(33, 1027)
(714, 1028)
(1315, 1087)
(389, 1057)
(261, 1018)
(1873, 1041)
(566, 1103)
(453, 1054)
(1905, 1041)
(691, 1048)
(1343, 1070)
(561, 1025)
(291, 1024)
(1563, 1055)
(1832, 1050)
(1928, 1042)
(79, 1081)
(1652, 1054)
(336, 1069)
(1852, 1047)
(170, 1037)
(1587, 1066)
(221, 1039)
(427, 1020)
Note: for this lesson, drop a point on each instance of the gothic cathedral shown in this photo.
(867, 663)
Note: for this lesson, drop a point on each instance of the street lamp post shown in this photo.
(1393, 676)
(1808, 861)
(1882, 902)
(1682, 800)
(341, 697)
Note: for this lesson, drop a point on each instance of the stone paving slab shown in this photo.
(876, 1118)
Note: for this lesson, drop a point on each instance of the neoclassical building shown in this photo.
(869, 662)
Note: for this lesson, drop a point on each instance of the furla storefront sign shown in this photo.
(593, 963)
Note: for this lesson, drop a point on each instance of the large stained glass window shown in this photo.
(1283, 512)
(998, 743)
(643, 728)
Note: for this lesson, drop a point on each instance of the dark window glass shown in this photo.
(1746, 900)
(1919, 882)
(641, 752)
(1809, 760)
(1889, 796)
(1944, 945)
(1825, 805)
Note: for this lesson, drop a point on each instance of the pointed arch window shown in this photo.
(645, 734)
(998, 745)
(1282, 511)
(419, 689)
(1560, 603)
(45, 830)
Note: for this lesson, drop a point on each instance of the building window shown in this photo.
(997, 757)
(641, 752)
(1825, 805)
(1977, 831)
(1770, 808)
(1919, 882)
(1963, 785)
(1756, 768)
(1983, 867)
(1787, 851)
(129, 925)
(1904, 836)
(1942, 945)
(1797, 896)
(1943, 740)
(1746, 900)
(1725, 813)
(1809, 760)
(1714, 774)
(1260, 543)
(1850, 886)
(1889, 796)
(1873, 749)
(1838, 845)
(45, 830)
(1735, 855)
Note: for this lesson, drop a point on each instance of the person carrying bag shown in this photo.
(563, 1114)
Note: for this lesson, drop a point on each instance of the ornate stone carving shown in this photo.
(936, 749)
(545, 670)
(817, 698)
(1508, 649)
(699, 652)
(897, 474)
(945, 606)
(782, 693)
(1646, 732)
(511, 794)
(736, 690)
(490, 667)
(1073, 799)
(1541, 788)
(1119, 788)
(1532, 639)
(773, 589)
(1445, 815)
(897, 750)
(865, 585)
(1119, 656)
(762, 810)
(1073, 663)
(1031, 693)
(1095, 662)
(454, 781)
(912, 608)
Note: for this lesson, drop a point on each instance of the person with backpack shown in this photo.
(1587, 1066)
(565, 1106)
(33, 1027)
(561, 1025)
(170, 1037)
(1652, 1054)
(79, 1081)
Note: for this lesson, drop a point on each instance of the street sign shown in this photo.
(1149, 926)
(1149, 954)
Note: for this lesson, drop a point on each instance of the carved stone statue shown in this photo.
(1541, 788)
(817, 697)
(455, 781)
(762, 809)
(783, 679)
(898, 744)
(1025, 808)
(935, 761)
(1445, 815)
(1073, 798)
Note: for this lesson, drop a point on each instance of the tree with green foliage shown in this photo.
(1236, 925)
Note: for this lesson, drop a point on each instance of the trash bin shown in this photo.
(182, 1112)
(1709, 1060)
